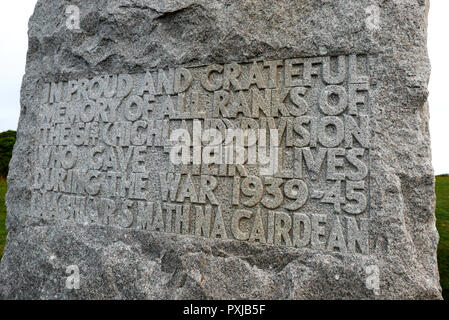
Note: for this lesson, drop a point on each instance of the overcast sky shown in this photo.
(14, 17)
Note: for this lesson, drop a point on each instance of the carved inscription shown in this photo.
(105, 145)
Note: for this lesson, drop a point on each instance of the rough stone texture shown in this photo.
(130, 36)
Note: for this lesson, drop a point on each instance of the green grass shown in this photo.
(3, 188)
(442, 213)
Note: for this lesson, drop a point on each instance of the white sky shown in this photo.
(14, 17)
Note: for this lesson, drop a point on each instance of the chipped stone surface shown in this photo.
(379, 244)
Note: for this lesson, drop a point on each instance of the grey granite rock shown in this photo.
(393, 258)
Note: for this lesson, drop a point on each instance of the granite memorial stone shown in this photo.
(223, 149)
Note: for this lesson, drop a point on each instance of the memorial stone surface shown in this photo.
(127, 181)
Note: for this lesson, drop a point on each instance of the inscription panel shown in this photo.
(107, 144)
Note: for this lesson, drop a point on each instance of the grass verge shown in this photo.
(442, 213)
